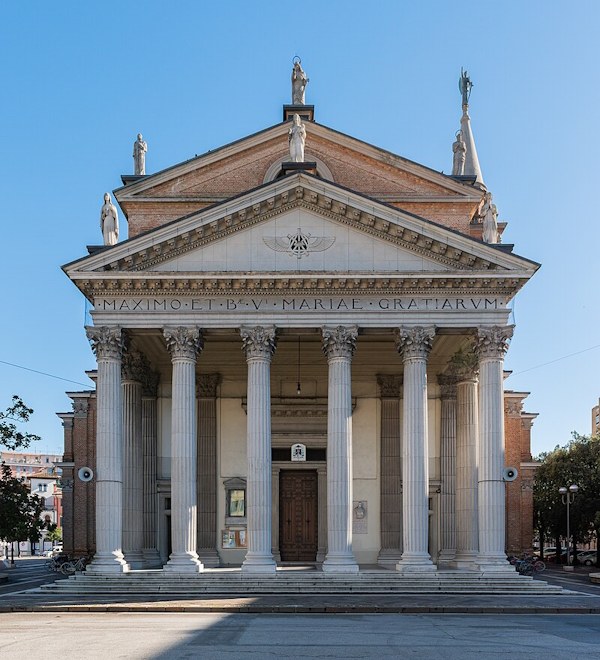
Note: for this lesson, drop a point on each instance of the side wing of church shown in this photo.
(300, 359)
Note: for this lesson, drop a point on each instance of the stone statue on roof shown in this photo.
(489, 213)
(459, 149)
(139, 155)
(299, 82)
(297, 138)
(464, 85)
(109, 221)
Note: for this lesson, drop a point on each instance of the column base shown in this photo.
(446, 558)
(135, 559)
(321, 555)
(209, 557)
(340, 564)
(466, 561)
(152, 558)
(389, 557)
(108, 562)
(259, 564)
(493, 564)
(416, 563)
(184, 562)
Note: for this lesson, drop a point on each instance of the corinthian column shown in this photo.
(414, 344)
(107, 344)
(447, 384)
(339, 344)
(467, 433)
(258, 343)
(491, 343)
(184, 345)
(131, 377)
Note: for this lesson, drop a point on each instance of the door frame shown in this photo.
(320, 467)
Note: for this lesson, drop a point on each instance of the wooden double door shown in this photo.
(298, 512)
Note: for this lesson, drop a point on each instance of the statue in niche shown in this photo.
(299, 82)
(459, 149)
(489, 213)
(465, 85)
(109, 221)
(297, 138)
(139, 155)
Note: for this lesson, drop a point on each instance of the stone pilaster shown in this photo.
(414, 345)
(259, 344)
(206, 392)
(133, 533)
(467, 541)
(184, 344)
(339, 344)
(108, 343)
(391, 475)
(490, 345)
(447, 384)
(149, 450)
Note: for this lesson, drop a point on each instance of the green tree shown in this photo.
(10, 436)
(576, 463)
(54, 533)
(19, 510)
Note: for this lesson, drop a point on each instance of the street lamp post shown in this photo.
(568, 496)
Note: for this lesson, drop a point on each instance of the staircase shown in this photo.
(232, 582)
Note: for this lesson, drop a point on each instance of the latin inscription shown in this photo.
(292, 304)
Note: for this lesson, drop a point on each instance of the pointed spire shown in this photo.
(471, 167)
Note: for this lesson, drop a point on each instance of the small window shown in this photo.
(237, 503)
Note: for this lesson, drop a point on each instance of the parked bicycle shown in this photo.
(72, 567)
(527, 564)
(55, 563)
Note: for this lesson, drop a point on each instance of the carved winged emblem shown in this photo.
(299, 244)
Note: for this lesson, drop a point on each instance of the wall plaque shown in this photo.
(298, 452)
(359, 517)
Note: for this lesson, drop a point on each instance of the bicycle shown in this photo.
(71, 567)
(55, 563)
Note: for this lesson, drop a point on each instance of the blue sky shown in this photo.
(80, 80)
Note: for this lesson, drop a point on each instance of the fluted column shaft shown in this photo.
(259, 345)
(390, 472)
(339, 344)
(132, 473)
(491, 345)
(448, 468)
(184, 345)
(149, 441)
(108, 343)
(467, 542)
(414, 345)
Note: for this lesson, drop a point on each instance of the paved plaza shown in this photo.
(219, 635)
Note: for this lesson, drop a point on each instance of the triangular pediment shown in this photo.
(301, 226)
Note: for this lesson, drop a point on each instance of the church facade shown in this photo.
(300, 359)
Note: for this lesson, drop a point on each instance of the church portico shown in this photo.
(309, 370)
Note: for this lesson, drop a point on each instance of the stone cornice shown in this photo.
(441, 284)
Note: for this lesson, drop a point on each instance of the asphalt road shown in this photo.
(176, 636)
(28, 574)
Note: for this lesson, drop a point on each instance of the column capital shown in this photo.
(447, 382)
(339, 341)
(491, 341)
(464, 364)
(206, 385)
(107, 342)
(258, 341)
(133, 365)
(184, 342)
(414, 341)
(390, 386)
